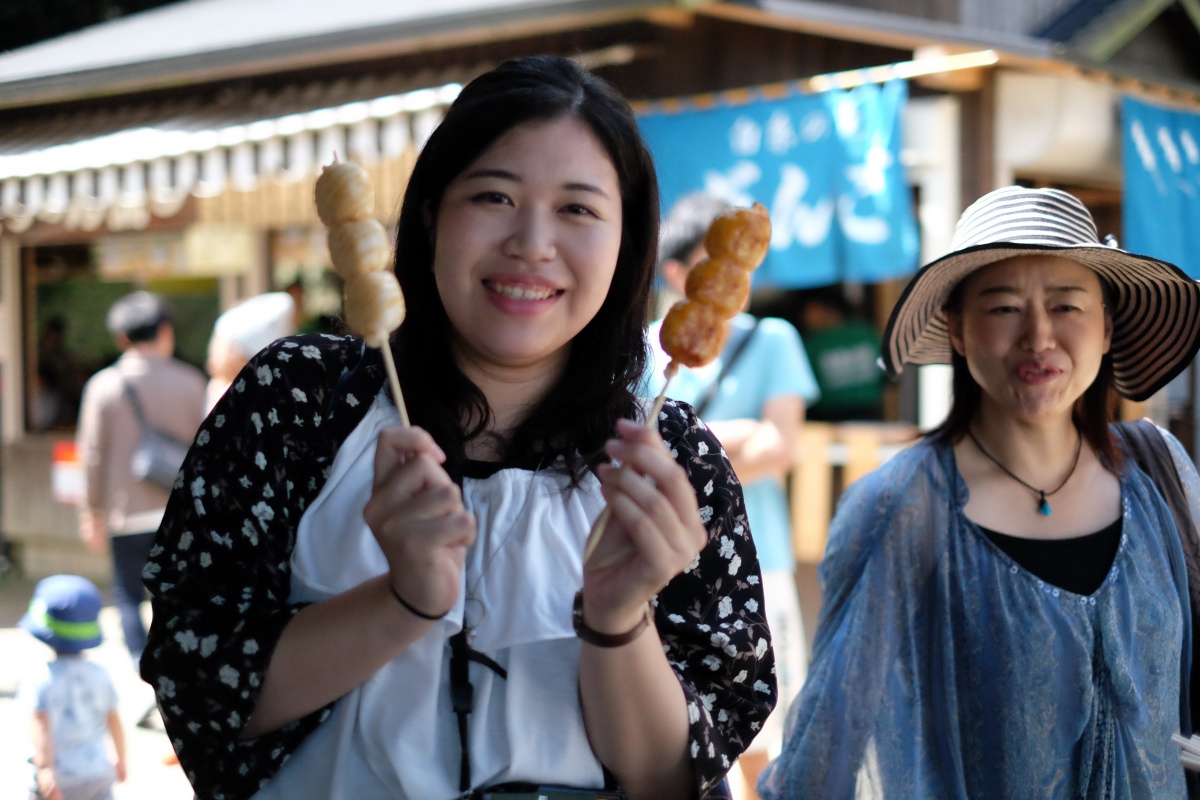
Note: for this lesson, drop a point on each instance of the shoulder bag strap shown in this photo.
(711, 392)
(137, 406)
(1146, 446)
(141, 415)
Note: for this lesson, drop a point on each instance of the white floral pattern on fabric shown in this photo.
(219, 574)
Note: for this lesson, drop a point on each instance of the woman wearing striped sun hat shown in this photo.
(1006, 609)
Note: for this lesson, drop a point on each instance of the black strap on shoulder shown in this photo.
(137, 406)
(1146, 446)
(141, 415)
(710, 393)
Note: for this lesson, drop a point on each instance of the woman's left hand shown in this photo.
(654, 532)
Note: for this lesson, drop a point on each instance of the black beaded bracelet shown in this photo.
(416, 612)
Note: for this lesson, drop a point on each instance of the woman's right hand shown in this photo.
(417, 515)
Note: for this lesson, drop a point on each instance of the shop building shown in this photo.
(176, 149)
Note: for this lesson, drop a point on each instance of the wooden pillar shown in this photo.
(862, 451)
(812, 492)
(1131, 409)
(979, 170)
(12, 360)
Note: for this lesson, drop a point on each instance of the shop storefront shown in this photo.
(190, 172)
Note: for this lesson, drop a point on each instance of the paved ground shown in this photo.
(149, 778)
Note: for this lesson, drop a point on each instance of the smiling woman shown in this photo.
(379, 611)
(531, 231)
(1008, 597)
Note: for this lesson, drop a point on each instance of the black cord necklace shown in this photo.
(1043, 503)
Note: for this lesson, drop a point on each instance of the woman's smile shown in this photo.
(521, 294)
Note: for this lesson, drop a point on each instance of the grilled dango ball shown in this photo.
(692, 333)
(360, 252)
(740, 234)
(721, 283)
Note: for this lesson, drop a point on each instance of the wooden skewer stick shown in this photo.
(394, 380)
(652, 419)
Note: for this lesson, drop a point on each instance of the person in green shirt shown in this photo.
(844, 352)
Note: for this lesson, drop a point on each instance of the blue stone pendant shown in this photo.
(1044, 508)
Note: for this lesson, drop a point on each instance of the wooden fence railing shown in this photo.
(829, 457)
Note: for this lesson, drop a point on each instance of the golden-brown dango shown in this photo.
(741, 234)
(692, 333)
(358, 246)
(721, 283)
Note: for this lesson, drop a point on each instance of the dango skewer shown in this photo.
(361, 254)
(694, 330)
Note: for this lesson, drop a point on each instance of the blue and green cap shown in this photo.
(65, 613)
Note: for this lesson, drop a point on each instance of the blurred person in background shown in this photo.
(844, 352)
(55, 399)
(119, 511)
(72, 699)
(238, 335)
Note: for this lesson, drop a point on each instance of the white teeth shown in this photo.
(520, 293)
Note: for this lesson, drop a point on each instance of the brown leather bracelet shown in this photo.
(593, 636)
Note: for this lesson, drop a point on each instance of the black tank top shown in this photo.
(1078, 564)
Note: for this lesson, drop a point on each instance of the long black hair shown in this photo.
(1092, 412)
(607, 358)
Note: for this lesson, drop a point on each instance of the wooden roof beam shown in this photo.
(1109, 32)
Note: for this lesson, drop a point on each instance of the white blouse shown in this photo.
(396, 736)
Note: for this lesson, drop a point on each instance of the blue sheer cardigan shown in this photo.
(943, 669)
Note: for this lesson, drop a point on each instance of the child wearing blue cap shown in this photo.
(73, 700)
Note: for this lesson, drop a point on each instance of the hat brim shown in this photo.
(61, 645)
(1156, 311)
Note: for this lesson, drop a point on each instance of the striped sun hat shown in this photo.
(1156, 313)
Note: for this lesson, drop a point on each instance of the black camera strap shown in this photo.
(462, 695)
